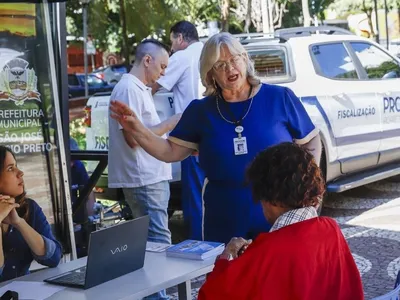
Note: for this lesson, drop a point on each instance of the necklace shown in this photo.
(239, 128)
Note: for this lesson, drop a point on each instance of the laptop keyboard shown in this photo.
(76, 277)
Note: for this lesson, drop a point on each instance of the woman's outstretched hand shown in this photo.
(125, 116)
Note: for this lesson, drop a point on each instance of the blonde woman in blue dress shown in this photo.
(238, 118)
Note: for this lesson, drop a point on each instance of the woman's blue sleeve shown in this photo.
(53, 253)
(299, 122)
(187, 131)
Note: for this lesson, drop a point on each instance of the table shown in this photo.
(159, 272)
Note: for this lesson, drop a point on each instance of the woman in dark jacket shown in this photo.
(26, 234)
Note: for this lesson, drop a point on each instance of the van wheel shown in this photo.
(323, 168)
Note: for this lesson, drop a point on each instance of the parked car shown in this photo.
(76, 85)
(349, 85)
(111, 74)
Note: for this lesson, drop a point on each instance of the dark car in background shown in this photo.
(76, 85)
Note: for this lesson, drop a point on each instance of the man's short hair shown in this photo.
(286, 175)
(150, 47)
(187, 29)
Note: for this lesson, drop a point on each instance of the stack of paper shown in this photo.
(198, 250)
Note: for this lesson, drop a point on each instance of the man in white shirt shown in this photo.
(182, 77)
(143, 178)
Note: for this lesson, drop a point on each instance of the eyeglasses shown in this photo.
(223, 65)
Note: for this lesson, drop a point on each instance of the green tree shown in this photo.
(102, 20)
(344, 7)
(196, 11)
(117, 25)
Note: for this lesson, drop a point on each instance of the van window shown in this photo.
(333, 61)
(270, 63)
(376, 63)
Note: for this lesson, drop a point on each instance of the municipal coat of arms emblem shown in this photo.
(18, 83)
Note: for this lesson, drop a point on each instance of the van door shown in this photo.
(351, 105)
(164, 103)
(382, 72)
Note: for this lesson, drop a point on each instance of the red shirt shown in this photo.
(308, 260)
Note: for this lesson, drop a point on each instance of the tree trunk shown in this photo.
(125, 41)
(225, 7)
(248, 17)
(306, 13)
(265, 16)
(398, 16)
(370, 24)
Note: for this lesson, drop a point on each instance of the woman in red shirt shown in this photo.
(303, 257)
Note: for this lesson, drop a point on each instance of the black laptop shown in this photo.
(113, 252)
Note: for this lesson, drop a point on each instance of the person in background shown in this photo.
(238, 118)
(303, 256)
(79, 178)
(26, 234)
(182, 77)
(143, 178)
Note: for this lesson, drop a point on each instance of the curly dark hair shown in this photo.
(286, 175)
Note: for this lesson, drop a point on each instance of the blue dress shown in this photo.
(275, 115)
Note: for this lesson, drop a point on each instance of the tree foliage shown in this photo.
(345, 7)
(145, 18)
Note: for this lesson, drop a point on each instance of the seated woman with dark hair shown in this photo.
(304, 256)
(26, 234)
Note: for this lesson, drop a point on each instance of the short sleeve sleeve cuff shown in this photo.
(163, 81)
(183, 143)
(187, 131)
(308, 137)
(299, 122)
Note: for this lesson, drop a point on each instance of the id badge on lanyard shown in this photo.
(240, 143)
